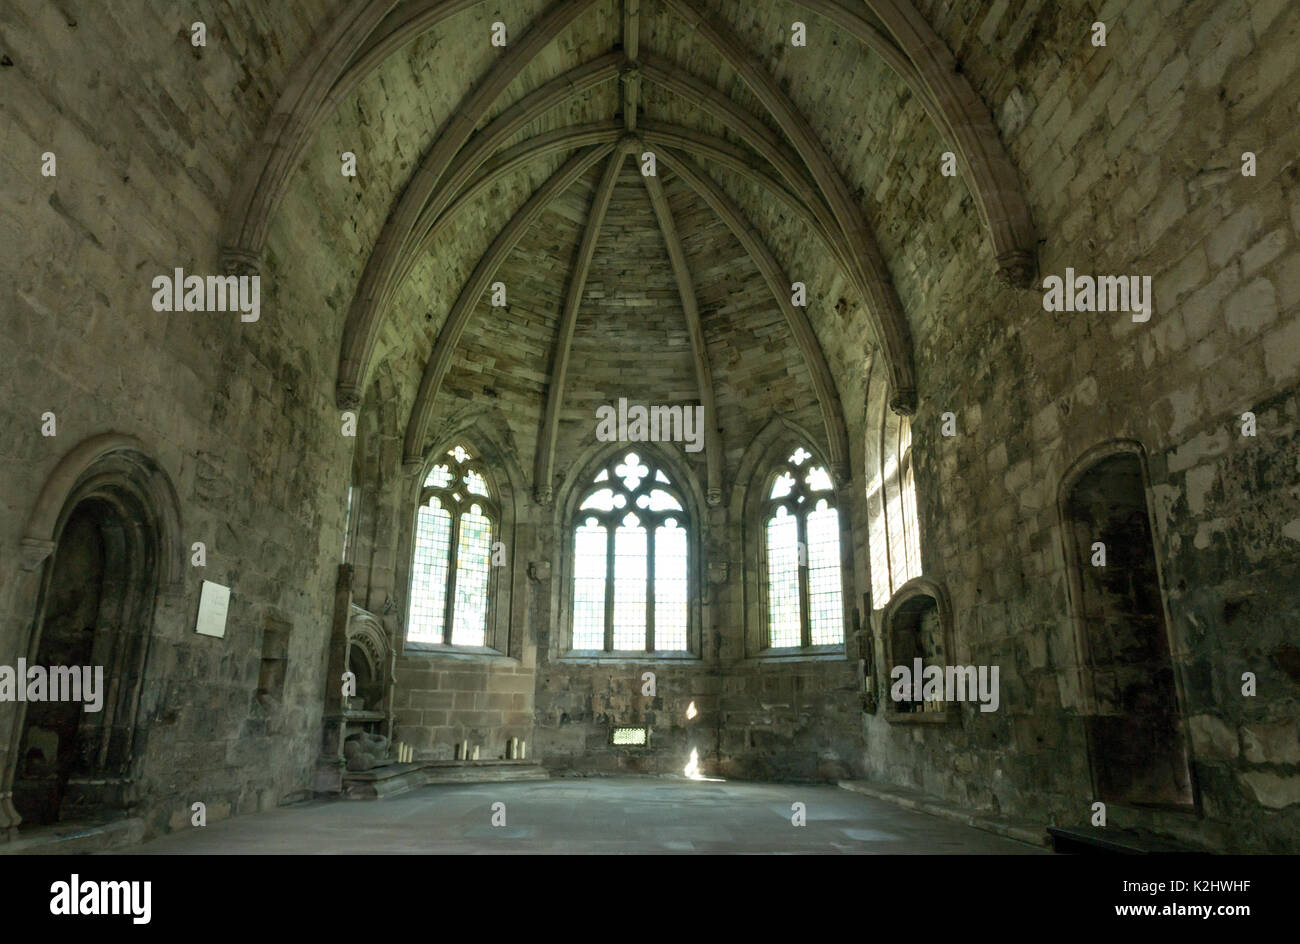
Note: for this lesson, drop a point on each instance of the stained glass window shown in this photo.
(451, 561)
(631, 557)
(805, 605)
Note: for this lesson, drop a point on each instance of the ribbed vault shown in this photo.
(590, 123)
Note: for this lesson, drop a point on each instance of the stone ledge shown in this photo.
(1021, 830)
(399, 778)
(1083, 839)
(70, 838)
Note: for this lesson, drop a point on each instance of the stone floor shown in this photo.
(608, 816)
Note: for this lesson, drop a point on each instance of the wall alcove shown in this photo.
(101, 544)
(917, 624)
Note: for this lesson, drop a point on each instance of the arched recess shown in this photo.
(1131, 687)
(918, 624)
(892, 501)
(117, 505)
(487, 433)
(764, 458)
(579, 478)
(372, 659)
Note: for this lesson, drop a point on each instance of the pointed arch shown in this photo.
(632, 539)
(544, 470)
(866, 264)
(778, 283)
(454, 325)
(112, 481)
(796, 542)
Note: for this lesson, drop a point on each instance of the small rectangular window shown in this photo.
(630, 736)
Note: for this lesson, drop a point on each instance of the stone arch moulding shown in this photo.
(487, 433)
(589, 460)
(578, 478)
(916, 590)
(923, 61)
(115, 469)
(366, 313)
(440, 186)
(1090, 457)
(708, 190)
(400, 227)
(458, 317)
(366, 33)
(748, 499)
(361, 37)
(763, 448)
(46, 519)
(1083, 679)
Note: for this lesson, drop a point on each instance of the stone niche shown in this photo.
(917, 624)
(367, 715)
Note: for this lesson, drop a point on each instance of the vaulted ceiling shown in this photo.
(526, 168)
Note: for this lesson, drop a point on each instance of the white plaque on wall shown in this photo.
(213, 603)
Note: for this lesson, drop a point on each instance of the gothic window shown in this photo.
(456, 526)
(631, 540)
(801, 530)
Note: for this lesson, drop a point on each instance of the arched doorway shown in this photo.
(1136, 735)
(101, 541)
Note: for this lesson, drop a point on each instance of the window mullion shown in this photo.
(805, 618)
(449, 606)
(610, 532)
(489, 631)
(650, 589)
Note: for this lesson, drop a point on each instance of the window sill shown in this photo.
(801, 654)
(456, 652)
(600, 655)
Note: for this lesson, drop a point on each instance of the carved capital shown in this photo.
(34, 552)
(714, 497)
(543, 494)
(903, 401)
(1016, 268)
(718, 571)
(539, 570)
(347, 396)
(236, 261)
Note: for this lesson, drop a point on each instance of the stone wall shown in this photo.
(1131, 154)
(147, 132)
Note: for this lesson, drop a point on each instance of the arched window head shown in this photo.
(451, 563)
(631, 551)
(801, 530)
